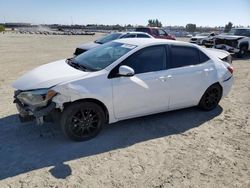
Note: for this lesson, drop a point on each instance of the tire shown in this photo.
(203, 42)
(211, 98)
(82, 121)
(243, 51)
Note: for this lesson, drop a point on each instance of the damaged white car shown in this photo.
(119, 80)
(236, 41)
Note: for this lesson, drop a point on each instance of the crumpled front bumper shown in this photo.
(228, 48)
(26, 113)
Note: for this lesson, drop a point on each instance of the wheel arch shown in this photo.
(245, 43)
(96, 101)
(216, 83)
(201, 101)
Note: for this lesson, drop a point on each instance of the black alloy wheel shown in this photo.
(82, 121)
(211, 97)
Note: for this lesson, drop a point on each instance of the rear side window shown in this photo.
(203, 57)
(142, 36)
(147, 60)
(184, 56)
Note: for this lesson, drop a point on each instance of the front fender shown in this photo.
(77, 91)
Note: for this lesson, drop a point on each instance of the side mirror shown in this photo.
(126, 71)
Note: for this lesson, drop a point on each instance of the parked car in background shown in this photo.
(156, 32)
(112, 36)
(122, 79)
(189, 35)
(236, 41)
(202, 39)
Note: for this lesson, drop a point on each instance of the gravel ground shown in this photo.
(185, 148)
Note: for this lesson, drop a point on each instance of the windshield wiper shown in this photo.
(76, 65)
(98, 42)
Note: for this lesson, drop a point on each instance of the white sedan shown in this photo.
(119, 80)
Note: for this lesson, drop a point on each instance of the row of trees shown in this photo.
(154, 23)
(228, 27)
(189, 27)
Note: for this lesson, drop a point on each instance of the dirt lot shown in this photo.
(185, 148)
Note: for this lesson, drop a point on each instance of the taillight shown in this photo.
(230, 69)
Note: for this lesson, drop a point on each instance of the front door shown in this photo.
(142, 93)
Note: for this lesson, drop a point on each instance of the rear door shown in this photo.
(190, 73)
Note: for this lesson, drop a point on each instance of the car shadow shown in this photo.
(22, 149)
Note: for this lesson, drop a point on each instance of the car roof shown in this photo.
(133, 32)
(151, 41)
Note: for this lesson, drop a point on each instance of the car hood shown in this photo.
(88, 46)
(221, 54)
(229, 37)
(48, 75)
(199, 37)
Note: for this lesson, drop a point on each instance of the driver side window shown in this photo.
(149, 59)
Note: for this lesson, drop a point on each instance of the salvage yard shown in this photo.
(184, 148)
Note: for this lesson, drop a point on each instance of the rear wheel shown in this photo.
(82, 121)
(243, 51)
(211, 97)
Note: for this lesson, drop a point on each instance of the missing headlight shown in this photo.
(36, 98)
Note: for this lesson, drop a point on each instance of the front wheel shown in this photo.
(82, 121)
(211, 98)
(243, 51)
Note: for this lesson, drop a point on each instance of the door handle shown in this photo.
(163, 78)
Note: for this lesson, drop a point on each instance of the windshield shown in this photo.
(108, 38)
(102, 56)
(240, 32)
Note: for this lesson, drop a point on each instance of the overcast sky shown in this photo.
(169, 12)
